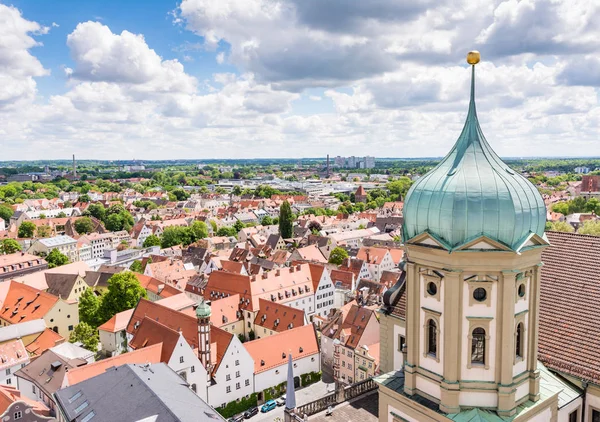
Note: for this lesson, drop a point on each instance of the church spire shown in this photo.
(290, 393)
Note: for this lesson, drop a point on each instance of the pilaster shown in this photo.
(506, 392)
(412, 327)
(449, 402)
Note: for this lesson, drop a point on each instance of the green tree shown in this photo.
(87, 335)
(180, 194)
(267, 220)
(84, 198)
(227, 231)
(9, 246)
(61, 215)
(561, 207)
(590, 227)
(338, 255)
(26, 229)
(97, 210)
(286, 220)
(6, 213)
(44, 231)
(152, 240)
(84, 225)
(561, 226)
(213, 225)
(124, 292)
(592, 205)
(399, 188)
(175, 235)
(198, 230)
(56, 258)
(136, 266)
(238, 225)
(89, 305)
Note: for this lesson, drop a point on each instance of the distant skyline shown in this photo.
(235, 79)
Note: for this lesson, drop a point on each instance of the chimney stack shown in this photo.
(74, 167)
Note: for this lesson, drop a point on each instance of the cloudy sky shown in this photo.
(154, 79)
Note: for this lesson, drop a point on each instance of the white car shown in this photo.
(281, 401)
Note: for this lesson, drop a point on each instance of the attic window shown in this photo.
(262, 363)
(82, 406)
(75, 397)
(20, 299)
(55, 365)
(300, 350)
(283, 355)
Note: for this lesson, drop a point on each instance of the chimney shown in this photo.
(277, 272)
(74, 167)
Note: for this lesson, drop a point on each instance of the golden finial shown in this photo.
(473, 57)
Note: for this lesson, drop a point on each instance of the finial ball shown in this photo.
(473, 57)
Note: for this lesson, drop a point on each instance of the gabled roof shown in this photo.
(12, 353)
(342, 279)
(372, 255)
(10, 395)
(118, 322)
(278, 317)
(311, 253)
(569, 333)
(149, 354)
(23, 329)
(46, 340)
(151, 332)
(316, 272)
(24, 303)
(154, 285)
(225, 310)
(61, 285)
(173, 319)
(271, 351)
(220, 340)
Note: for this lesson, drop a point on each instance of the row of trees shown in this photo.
(115, 218)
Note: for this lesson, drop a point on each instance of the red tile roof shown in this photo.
(9, 395)
(151, 332)
(25, 303)
(270, 352)
(224, 311)
(150, 354)
(12, 353)
(46, 340)
(173, 319)
(569, 333)
(156, 286)
(219, 342)
(316, 272)
(278, 317)
(118, 322)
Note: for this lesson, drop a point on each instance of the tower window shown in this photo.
(431, 289)
(479, 294)
(519, 341)
(521, 290)
(432, 338)
(478, 346)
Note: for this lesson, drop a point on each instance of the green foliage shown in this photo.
(61, 215)
(274, 392)
(84, 198)
(561, 207)
(84, 225)
(8, 246)
(26, 229)
(44, 231)
(213, 226)
(56, 258)
(180, 194)
(338, 255)
(87, 335)
(590, 227)
(124, 292)
(198, 230)
(238, 225)
(136, 266)
(152, 240)
(310, 378)
(235, 407)
(6, 213)
(286, 220)
(147, 205)
(267, 220)
(227, 231)
(175, 235)
(97, 210)
(89, 304)
(251, 335)
(560, 226)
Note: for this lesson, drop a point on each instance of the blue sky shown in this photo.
(292, 78)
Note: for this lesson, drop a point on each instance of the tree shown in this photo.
(238, 225)
(267, 220)
(6, 213)
(213, 225)
(227, 231)
(84, 225)
(175, 235)
(136, 266)
(87, 335)
(152, 240)
(315, 226)
(97, 210)
(84, 198)
(26, 229)
(198, 230)
(561, 207)
(590, 227)
(561, 226)
(56, 258)
(180, 194)
(286, 220)
(61, 215)
(89, 304)
(124, 292)
(44, 231)
(9, 246)
(399, 188)
(338, 255)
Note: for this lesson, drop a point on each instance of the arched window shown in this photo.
(478, 346)
(519, 341)
(432, 337)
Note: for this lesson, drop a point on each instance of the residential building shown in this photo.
(112, 333)
(65, 245)
(324, 290)
(270, 356)
(366, 361)
(310, 253)
(15, 407)
(13, 356)
(273, 318)
(24, 303)
(69, 287)
(19, 264)
(225, 314)
(100, 242)
(69, 351)
(139, 392)
(377, 260)
(44, 376)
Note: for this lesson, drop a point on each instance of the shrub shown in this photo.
(310, 378)
(235, 407)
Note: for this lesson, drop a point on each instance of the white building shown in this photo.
(324, 290)
(65, 245)
(37, 214)
(99, 243)
(14, 356)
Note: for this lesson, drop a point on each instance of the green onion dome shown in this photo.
(473, 193)
(203, 310)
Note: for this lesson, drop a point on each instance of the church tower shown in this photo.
(203, 313)
(474, 233)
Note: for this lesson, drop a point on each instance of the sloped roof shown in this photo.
(316, 272)
(271, 351)
(61, 285)
(46, 340)
(311, 253)
(224, 310)
(24, 303)
(569, 333)
(12, 353)
(151, 332)
(9, 395)
(278, 317)
(371, 254)
(220, 340)
(118, 322)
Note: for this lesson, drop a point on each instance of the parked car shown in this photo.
(268, 406)
(250, 412)
(281, 401)
(236, 418)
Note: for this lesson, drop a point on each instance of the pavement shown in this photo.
(363, 409)
(303, 396)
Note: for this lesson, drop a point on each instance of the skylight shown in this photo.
(82, 406)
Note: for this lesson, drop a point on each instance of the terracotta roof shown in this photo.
(353, 265)
(279, 257)
(361, 191)
(151, 332)
(9, 395)
(278, 317)
(156, 286)
(397, 255)
(271, 351)
(316, 272)
(353, 326)
(569, 333)
(231, 266)
(224, 311)
(165, 269)
(173, 319)
(372, 255)
(46, 340)
(25, 259)
(24, 303)
(389, 278)
(178, 302)
(118, 322)
(344, 278)
(150, 354)
(311, 253)
(219, 342)
(12, 353)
